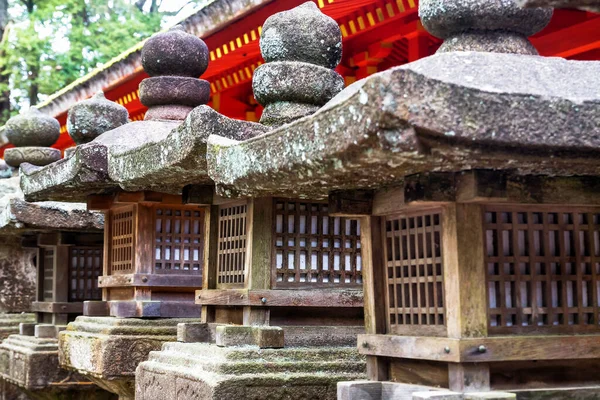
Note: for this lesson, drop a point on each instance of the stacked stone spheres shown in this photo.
(491, 26)
(302, 42)
(91, 118)
(32, 134)
(174, 60)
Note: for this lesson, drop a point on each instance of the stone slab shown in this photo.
(206, 371)
(10, 323)
(262, 336)
(107, 350)
(32, 364)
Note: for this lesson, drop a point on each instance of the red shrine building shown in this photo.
(377, 35)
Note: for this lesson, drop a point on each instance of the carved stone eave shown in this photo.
(447, 112)
(70, 179)
(180, 158)
(18, 217)
(163, 156)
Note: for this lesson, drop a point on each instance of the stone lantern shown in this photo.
(64, 243)
(150, 180)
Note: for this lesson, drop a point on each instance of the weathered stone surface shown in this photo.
(86, 171)
(452, 19)
(175, 53)
(89, 119)
(27, 329)
(178, 160)
(21, 217)
(32, 128)
(10, 323)
(302, 34)
(265, 337)
(171, 112)
(45, 331)
(148, 155)
(163, 90)
(440, 113)
(494, 41)
(301, 47)
(108, 349)
(38, 156)
(278, 81)
(194, 333)
(32, 363)
(589, 5)
(206, 371)
(17, 282)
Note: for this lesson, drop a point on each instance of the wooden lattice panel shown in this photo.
(312, 249)
(122, 240)
(415, 273)
(85, 266)
(542, 268)
(48, 273)
(179, 240)
(231, 257)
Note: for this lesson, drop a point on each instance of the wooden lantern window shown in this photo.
(85, 266)
(176, 234)
(179, 240)
(312, 249)
(231, 252)
(415, 273)
(122, 241)
(542, 267)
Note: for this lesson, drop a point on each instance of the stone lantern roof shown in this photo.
(454, 111)
(437, 114)
(19, 217)
(163, 153)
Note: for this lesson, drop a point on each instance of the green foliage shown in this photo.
(50, 43)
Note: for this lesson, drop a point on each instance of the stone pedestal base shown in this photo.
(204, 371)
(107, 350)
(31, 364)
(9, 323)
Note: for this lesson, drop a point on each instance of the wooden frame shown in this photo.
(251, 300)
(62, 284)
(415, 273)
(155, 255)
(543, 269)
(312, 249)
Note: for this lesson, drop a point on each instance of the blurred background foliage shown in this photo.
(47, 44)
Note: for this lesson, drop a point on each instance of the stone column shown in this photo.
(301, 48)
(483, 25)
(32, 133)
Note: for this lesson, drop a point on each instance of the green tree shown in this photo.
(47, 44)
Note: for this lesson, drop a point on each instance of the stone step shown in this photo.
(256, 366)
(289, 354)
(21, 343)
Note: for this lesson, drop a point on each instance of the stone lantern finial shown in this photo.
(498, 26)
(174, 60)
(301, 48)
(90, 118)
(32, 133)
